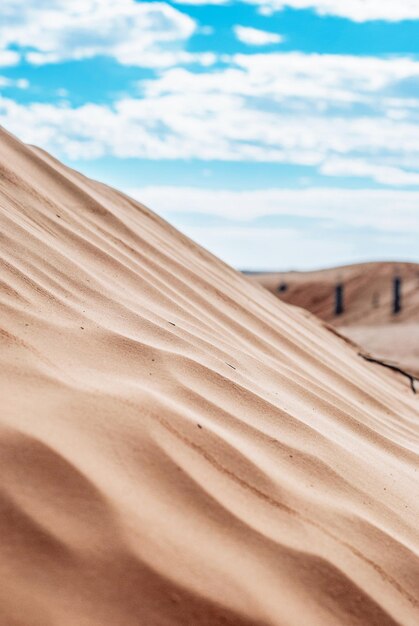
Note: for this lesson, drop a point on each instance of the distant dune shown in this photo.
(177, 446)
(368, 297)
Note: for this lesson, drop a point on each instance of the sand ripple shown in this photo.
(176, 446)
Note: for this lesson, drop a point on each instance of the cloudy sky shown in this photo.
(278, 133)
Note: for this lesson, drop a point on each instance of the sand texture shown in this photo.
(368, 317)
(178, 447)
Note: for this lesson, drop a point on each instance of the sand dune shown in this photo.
(368, 317)
(177, 446)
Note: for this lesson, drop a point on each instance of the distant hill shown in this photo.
(368, 302)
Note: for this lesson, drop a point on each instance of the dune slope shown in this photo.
(178, 447)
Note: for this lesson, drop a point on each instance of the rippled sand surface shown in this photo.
(177, 447)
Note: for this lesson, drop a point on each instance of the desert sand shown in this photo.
(178, 447)
(368, 317)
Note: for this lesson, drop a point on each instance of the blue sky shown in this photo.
(277, 133)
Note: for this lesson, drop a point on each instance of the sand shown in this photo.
(368, 317)
(177, 446)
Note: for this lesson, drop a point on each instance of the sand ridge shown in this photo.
(178, 447)
(368, 291)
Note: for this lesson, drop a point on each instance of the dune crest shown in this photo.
(178, 447)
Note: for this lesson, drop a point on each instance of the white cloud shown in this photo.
(381, 173)
(201, 2)
(215, 126)
(322, 234)
(148, 34)
(381, 209)
(145, 34)
(220, 128)
(20, 83)
(355, 10)
(338, 114)
(256, 37)
(9, 57)
(338, 78)
(272, 248)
